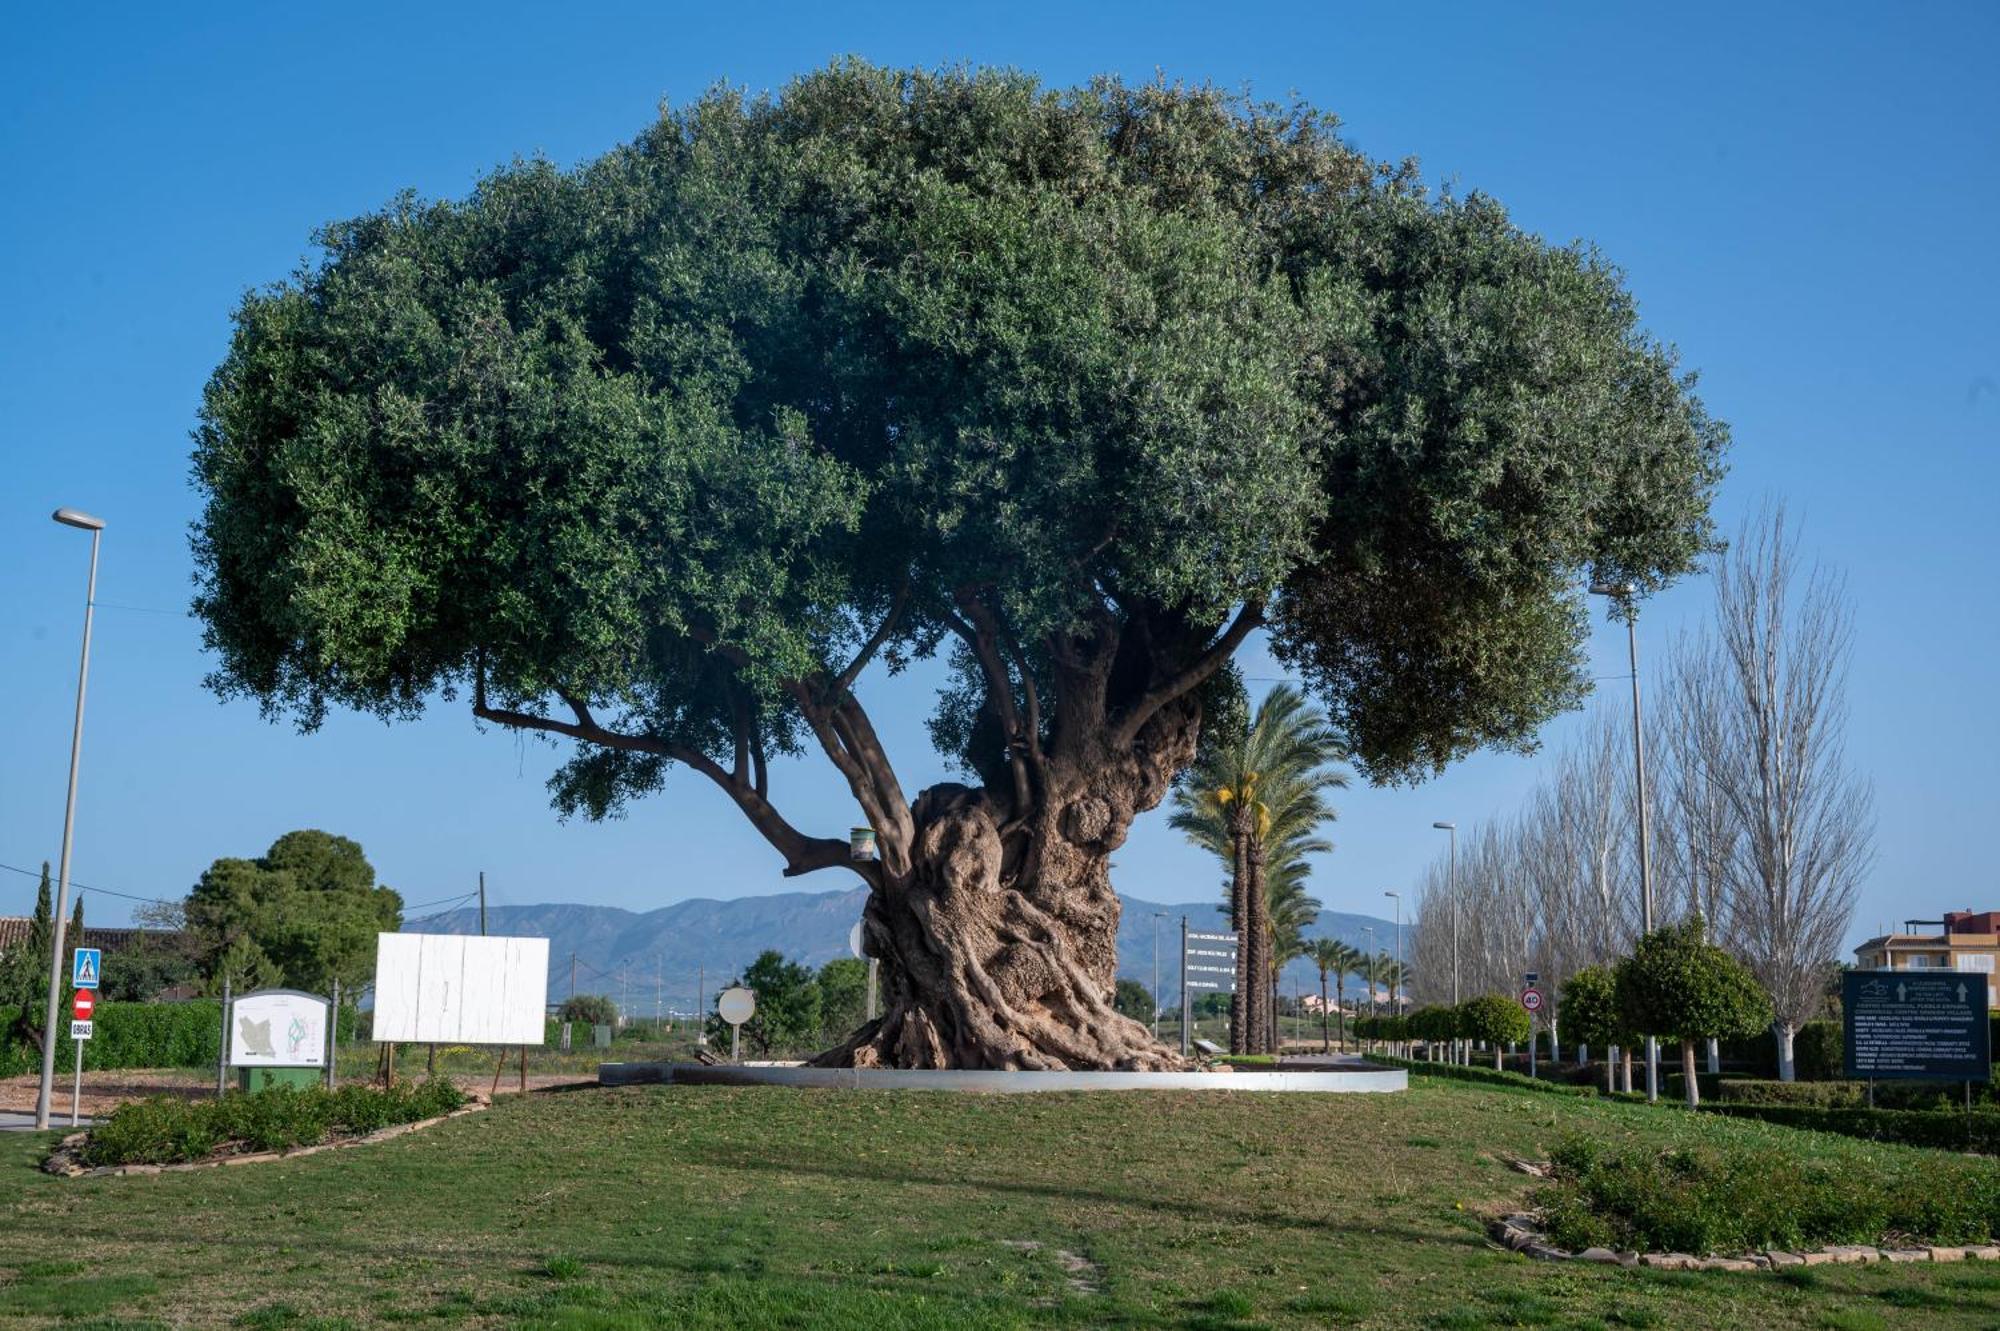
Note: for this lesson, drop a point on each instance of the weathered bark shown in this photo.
(991, 908)
(1255, 938)
(999, 943)
(1687, 1075)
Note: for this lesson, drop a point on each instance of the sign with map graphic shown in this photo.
(278, 1028)
(1916, 1024)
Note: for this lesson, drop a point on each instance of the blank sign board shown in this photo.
(454, 989)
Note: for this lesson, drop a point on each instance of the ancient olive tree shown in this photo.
(664, 453)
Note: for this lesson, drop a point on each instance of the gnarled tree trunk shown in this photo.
(999, 942)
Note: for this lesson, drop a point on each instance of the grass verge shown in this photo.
(752, 1207)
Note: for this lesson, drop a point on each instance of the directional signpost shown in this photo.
(85, 967)
(1208, 962)
(1909, 1024)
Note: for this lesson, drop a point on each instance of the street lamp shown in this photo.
(69, 517)
(1623, 593)
(1452, 890)
(1158, 915)
(1395, 977)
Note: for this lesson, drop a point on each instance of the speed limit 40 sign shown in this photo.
(1531, 999)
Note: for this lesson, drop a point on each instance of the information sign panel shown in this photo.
(1913, 1024)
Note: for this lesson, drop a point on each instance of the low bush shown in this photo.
(1978, 1132)
(1483, 1075)
(165, 1130)
(1932, 1095)
(1744, 1198)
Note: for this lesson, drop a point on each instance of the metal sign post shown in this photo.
(1531, 999)
(736, 1005)
(1186, 1007)
(81, 1006)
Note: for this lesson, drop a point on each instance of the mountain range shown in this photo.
(653, 960)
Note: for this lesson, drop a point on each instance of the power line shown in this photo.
(85, 887)
(463, 896)
(142, 609)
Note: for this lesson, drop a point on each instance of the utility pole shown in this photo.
(701, 1007)
(482, 903)
(659, 1006)
(572, 975)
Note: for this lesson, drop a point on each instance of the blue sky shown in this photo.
(1804, 200)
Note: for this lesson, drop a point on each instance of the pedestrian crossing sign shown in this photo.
(84, 971)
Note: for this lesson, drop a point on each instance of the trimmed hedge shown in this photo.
(1932, 1095)
(140, 1035)
(1817, 1051)
(167, 1130)
(1753, 1197)
(1485, 1076)
(1978, 1131)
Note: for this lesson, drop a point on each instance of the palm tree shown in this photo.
(1389, 972)
(1334, 958)
(1288, 912)
(1255, 799)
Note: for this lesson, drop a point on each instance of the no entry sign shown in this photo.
(83, 1004)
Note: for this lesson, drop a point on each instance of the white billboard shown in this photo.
(459, 989)
(278, 1028)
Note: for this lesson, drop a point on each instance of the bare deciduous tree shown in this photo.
(1766, 697)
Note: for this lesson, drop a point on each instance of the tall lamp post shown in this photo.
(1622, 593)
(69, 517)
(1158, 915)
(1396, 976)
(1451, 880)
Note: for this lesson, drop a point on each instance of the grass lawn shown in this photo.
(755, 1207)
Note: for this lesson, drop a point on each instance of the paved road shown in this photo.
(10, 1121)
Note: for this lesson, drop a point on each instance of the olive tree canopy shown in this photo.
(662, 453)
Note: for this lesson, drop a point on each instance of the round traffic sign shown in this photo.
(83, 1004)
(1532, 1000)
(736, 1005)
(854, 942)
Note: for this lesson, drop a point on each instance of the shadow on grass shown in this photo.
(907, 1176)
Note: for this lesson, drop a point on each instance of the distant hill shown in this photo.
(652, 956)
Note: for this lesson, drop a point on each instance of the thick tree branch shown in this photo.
(845, 680)
(803, 854)
(1210, 661)
(846, 736)
(983, 635)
